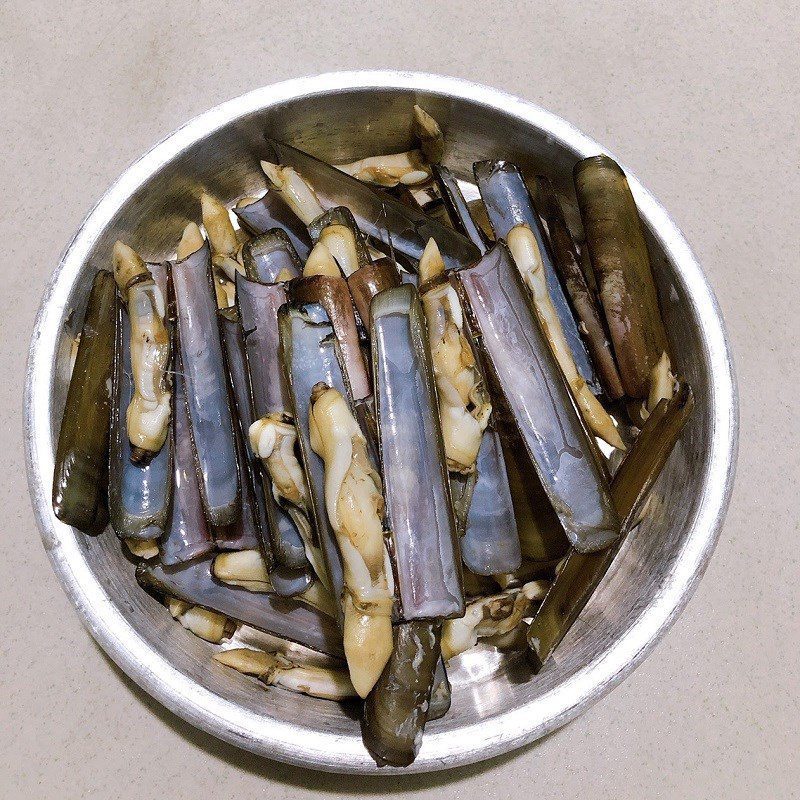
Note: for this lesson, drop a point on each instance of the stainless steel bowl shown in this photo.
(339, 117)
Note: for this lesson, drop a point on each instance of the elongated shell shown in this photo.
(271, 257)
(269, 212)
(396, 709)
(457, 207)
(378, 215)
(538, 400)
(210, 417)
(288, 619)
(490, 544)
(187, 535)
(308, 353)
(567, 264)
(249, 531)
(418, 509)
(370, 280)
(258, 306)
(332, 294)
(581, 573)
(139, 495)
(508, 203)
(621, 263)
(81, 463)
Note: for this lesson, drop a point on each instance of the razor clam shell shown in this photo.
(271, 211)
(334, 296)
(508, 203)
(266, 256)
(567, 264)
(341, 215)
(210, 417)
(308, 353)
(187, 535)
(258, 306)
(441, 696)
(457, 207)
(538, 400)
(490, 544)
(621, 263)
(380, 216)
(581, 573)
(425, 545)
(139, 495)
(280, 616)
(396, 709)
(369, 280)
(80, 476)
(249, 532)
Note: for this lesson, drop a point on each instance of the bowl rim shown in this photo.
(329, 751)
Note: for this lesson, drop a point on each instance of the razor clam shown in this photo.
(508, 204)
(457, 207)
(621, 263)
(210, 418)
(187, 535)
(250, 530)
(538, 401)
(81, 462)
(581, 573)
(369, 280)
(308, 353)
(464, 404)
(337, 230)
(333, 295)
(567, 264)
(269, 212)
(258, 306)
(396, 709)
(280, 616)
(147, 415)
(481, 498)
(354, 506)
(139, 495)
(381, 217)
(418, 508)
(271, 257)
(275, 669)
(273, 439)
(489, 617)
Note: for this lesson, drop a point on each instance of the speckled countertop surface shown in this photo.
(699, 99)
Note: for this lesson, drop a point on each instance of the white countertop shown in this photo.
(700, 101)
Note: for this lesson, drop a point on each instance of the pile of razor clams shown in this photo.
(360, 423)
